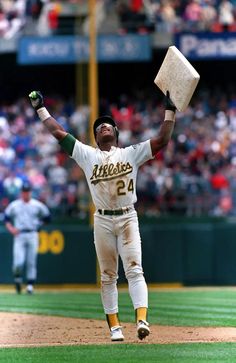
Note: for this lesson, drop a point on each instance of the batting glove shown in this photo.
(36, 99)
(168, 103)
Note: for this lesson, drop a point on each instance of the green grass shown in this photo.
(178, 307)
(177, 353)
(191, 307)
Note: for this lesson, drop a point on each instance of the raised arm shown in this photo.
(166, 128)
(36, 99)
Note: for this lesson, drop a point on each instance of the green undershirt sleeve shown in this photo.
(68, 143)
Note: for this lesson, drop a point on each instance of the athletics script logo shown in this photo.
(110, 171)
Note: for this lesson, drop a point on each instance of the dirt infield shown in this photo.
(18, 330)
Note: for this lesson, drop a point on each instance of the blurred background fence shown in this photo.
(174, 252)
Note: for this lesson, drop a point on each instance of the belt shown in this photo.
(27, 230)
(114, 212)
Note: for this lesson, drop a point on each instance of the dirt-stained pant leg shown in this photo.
(107, 254)
(129, 247)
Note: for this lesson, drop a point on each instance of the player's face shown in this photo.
(105, 132)
(26, 195)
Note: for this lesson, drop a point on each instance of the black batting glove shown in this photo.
(168, 103)
(36, 99)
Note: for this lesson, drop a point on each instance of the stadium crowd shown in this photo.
(194, 176)
(177, 16)
(50, 17)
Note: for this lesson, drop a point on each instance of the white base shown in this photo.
(177, 76)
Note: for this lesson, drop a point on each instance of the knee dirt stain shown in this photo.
(109, 273)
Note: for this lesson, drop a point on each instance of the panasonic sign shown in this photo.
(207, 46)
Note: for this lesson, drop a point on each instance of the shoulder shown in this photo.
(141, 145)
(86, 146)
(35, 202)
(14, 203)
(81, 147)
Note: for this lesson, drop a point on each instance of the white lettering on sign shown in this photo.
(49, 49)
(191, 44)
(110, 48)
(81, 47)
(130, 47)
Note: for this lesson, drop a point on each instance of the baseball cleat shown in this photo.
(142, 329)
(116, 334)
(29, 289)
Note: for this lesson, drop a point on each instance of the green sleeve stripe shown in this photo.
(68, 143)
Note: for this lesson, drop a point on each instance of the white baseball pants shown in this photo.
(114, 236)
(25, 249)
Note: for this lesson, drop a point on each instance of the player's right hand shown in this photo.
(36, 99)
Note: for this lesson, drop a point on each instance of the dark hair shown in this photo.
(26, 187)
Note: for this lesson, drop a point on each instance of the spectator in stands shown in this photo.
(33, 8)
(193, 15)
(209, 15)
(226, 14)
(166, 20)
(132, 16)
(48, 21)
(15, 14)
(4, 24)
(43, 16)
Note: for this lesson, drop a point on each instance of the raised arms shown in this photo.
(67, 141)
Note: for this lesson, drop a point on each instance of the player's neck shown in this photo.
(26, 199)
(106, 146)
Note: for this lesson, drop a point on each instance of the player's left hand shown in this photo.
(169, 105)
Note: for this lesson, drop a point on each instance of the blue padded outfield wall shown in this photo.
(186, 253)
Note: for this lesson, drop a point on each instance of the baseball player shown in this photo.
(111, 174)
(23, 218)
